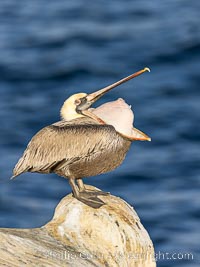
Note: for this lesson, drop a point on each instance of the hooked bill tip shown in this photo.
(147, 69)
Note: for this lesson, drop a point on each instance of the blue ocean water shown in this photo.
(52, 49)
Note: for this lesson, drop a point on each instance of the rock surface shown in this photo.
(78, 235)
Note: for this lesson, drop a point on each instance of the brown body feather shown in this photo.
(74, 149)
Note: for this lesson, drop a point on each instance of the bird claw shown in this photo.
(92, 192)
(90, 199)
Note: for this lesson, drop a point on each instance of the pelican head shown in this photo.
(77, 105)
(69, 108)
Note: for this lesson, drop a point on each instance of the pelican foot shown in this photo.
(87, 196)
(94, 192)
(90, 200)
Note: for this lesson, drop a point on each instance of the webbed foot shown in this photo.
(90, 199)
(95, 192)
(85, 195)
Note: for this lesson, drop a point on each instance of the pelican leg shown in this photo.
(87, 198)
(81, 185)
(91, 192)
(74, 187)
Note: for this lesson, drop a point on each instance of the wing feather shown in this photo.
(60, 144)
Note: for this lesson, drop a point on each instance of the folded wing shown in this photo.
(62, 143)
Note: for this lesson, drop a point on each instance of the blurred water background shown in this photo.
(52, 49)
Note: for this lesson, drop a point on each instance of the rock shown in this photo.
(79, 235)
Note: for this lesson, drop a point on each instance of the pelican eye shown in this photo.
(80, 101)
(77, 102)
(81, 104)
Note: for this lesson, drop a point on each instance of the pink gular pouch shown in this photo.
(119, 114)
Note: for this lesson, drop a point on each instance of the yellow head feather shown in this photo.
(68, 110)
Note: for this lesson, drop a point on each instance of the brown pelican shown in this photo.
(86, 142)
